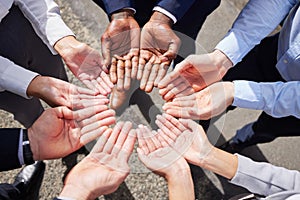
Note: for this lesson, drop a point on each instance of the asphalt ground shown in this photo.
(89, 22)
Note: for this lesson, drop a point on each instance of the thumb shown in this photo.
(171, 53)
(190, 124)
(64, 112)
(105, 48)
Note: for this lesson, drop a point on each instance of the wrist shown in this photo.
(229, 92)
(33, 144)
(74, 192)
(178, 170)
(34, 86)
(220, 162)
(221, 60)
(124, 13)
(161, 18)
(66, 44)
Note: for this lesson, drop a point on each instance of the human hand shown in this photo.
(105, 168)
(186, 137)
(120, 47)
(159, 46)
(56, 92)
(202, 105)
(61, 131)
(85, 63)
(156, 154)
(193, 74)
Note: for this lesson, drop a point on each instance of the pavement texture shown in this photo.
(89, 22)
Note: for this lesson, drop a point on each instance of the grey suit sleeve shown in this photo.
(264, 178)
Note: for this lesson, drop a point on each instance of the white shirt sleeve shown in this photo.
(44, 16)
(14, 78)
(165, 12)
(5, 5)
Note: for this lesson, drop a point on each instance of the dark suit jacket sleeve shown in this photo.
(176, 7)
(9, 145)
(114, 5)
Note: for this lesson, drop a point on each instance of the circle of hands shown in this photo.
(82, 115)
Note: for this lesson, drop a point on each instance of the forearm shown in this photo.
(220, 162)
(181, 186)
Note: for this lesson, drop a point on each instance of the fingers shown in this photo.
(122, 137)
(102, 141)
(127, 80)
(171, 77)
(120, 74)
(146, 74)
(163, 69)
(128, 145)
(153, 75)
(144, 58)
(166, 125)
(92, 135)
(105, 47)
(135, 65)
(172, 50)
(82, 114)
(113, 71)
(142, 142)
(191, 125)
(113, 137)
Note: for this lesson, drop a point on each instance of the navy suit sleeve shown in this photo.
(178, 8)
(114, 5)
(9, 146)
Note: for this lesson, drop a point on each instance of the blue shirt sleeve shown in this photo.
(256, 21)
(278, 99)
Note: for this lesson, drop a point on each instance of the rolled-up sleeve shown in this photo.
(14, 78)
(278, 99)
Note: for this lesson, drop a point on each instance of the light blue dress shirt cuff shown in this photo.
(20, 151)
(233, 47)
(247, 94)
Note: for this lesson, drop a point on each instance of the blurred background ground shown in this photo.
(89, 22)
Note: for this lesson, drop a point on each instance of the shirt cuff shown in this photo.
(63, 198)
(165, 12)
(233, 47)
(20, 150)
(56, 30)
(247, 94)
(16, 79)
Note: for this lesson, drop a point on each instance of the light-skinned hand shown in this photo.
(56, 92)
(157, 155)
(186, 137)
(105, 168)
(61, 131)
(159, 46)
(202, 105)
(193, 74)
(85, 63)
